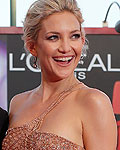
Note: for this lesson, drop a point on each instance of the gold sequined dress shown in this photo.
(29, 137)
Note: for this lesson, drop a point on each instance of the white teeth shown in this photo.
(63, 59)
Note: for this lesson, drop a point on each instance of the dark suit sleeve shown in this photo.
(4, 120)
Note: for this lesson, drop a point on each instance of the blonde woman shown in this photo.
(62, 113)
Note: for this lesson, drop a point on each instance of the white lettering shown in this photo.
(22, 56)
(109, 65)
(100, 64)
(96, 62)
(80, 69)
(81, 75)
(11, 66)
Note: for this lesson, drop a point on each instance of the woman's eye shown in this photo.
(53, 37)
(75, 36)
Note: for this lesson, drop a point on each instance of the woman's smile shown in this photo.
(63, 61)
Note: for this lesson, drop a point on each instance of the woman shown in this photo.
(3, 124)
(62, 113)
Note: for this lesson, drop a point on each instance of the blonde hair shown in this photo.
(41, 9)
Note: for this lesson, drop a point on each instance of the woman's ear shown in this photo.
(31, 48)
(83, 40)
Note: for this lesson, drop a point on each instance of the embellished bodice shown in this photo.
(20, 138)
(29, 136)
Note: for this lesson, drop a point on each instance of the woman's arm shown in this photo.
(99, 125)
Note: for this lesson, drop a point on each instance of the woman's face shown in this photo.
(59, 45)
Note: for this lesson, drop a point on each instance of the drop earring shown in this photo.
(35, 62)
(81, 60)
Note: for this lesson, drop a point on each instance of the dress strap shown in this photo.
(37, 122)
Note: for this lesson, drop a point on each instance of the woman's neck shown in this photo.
(48, 88)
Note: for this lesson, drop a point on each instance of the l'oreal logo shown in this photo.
(95, 62)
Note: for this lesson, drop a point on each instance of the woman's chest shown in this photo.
(62, 120)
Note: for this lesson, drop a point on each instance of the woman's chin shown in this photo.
(62, 75)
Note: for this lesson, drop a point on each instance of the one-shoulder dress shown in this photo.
(28, 137)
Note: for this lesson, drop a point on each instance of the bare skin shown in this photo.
(85, 116)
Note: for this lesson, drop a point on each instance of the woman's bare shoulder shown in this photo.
(90, 97)
(18, 100)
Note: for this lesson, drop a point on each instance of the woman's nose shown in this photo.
(65, 46)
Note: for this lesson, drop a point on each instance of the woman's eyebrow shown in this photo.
(75, 31)
(55, 32)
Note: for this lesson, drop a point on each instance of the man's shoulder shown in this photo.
(3, 117)
(3, 112)
(4, 121)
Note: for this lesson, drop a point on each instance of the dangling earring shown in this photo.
(81, 60)
(84, 51)
(35, 62)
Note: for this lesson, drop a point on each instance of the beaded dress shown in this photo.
(29, 137)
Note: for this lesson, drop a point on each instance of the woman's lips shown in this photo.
(63, 61)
